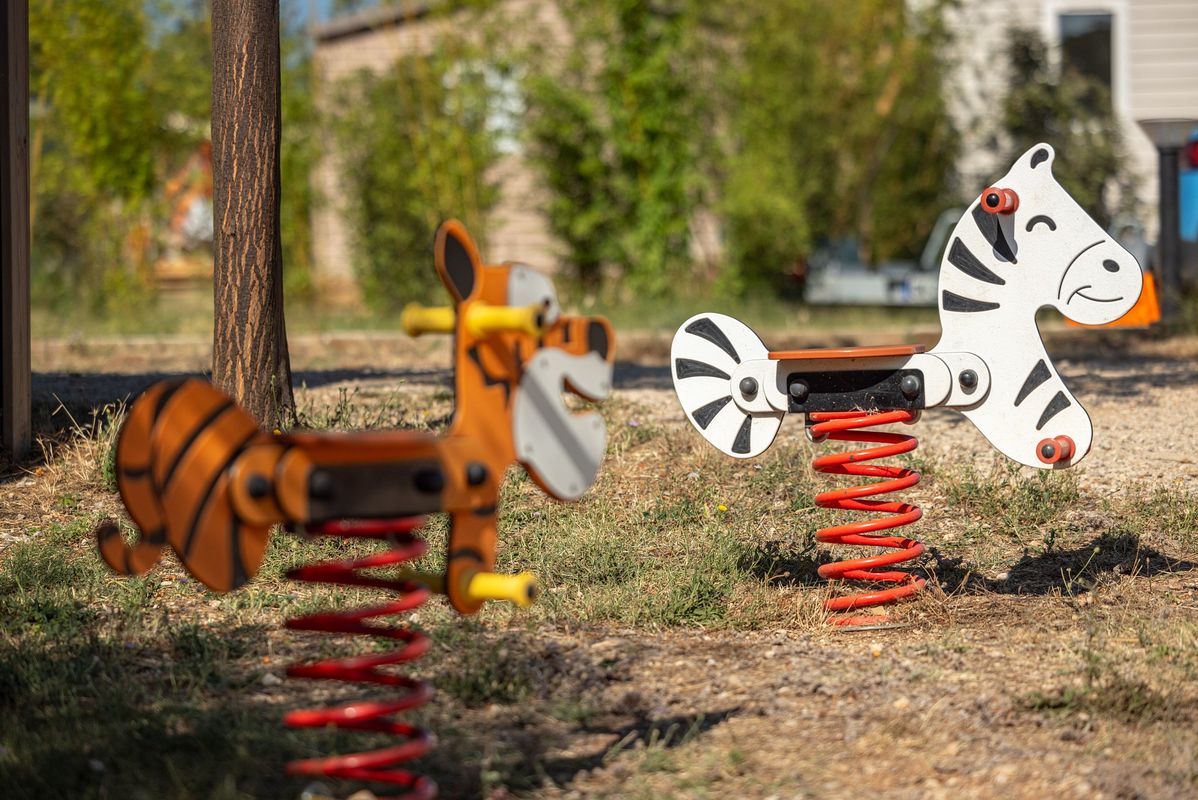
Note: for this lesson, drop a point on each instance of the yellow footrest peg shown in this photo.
(520, 589)
(433, 581)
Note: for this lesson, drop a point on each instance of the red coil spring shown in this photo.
(848, 426)
(379, 766)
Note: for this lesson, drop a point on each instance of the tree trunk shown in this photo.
(15, 385)
(249, 356)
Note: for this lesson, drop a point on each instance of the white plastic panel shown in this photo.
(561, 448)
(707, 350)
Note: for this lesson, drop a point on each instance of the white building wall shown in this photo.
(1154, 74)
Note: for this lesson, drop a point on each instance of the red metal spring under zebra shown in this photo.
(849, 426)
(383, 765)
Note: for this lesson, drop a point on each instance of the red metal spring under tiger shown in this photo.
(378, 766)
(848, 426)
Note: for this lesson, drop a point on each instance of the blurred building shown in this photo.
(375, 39)
(1145, 51)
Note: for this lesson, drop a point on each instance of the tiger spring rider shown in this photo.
(196, 473)
(1022, 245)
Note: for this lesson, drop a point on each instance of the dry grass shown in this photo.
(679, 649)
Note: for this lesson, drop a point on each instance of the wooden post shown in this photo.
(249, 357)
(15, 384)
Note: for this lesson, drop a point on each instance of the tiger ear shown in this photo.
(457, 259)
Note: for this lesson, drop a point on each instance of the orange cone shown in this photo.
(1144, 313)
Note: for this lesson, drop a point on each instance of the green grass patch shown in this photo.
(1009, 499)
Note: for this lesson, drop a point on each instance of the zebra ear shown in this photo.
(1040, 158)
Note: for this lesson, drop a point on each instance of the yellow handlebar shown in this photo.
(481, 319)
(416, 319)
(519, 589)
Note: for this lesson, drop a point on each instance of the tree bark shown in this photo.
(15, 382)
(249, 356)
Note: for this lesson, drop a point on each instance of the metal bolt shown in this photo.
(321, 485)
(798, 391)
(748, 387)
(910, 386)
(1048, 451)
(476, 473)
(429, 481)
(257, 486)
(968, 379)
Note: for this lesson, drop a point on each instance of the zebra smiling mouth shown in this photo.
(1078, 291)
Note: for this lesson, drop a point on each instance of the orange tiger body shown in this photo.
(196, 473)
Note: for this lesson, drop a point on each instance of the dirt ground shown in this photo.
(1071, 692)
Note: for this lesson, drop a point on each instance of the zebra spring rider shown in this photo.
(1022, 245)
(196, 473)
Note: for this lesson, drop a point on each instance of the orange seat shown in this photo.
(848, 352)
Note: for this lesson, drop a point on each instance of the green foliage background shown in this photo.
(613, 129)
(414, 149)
(1074, 113)
(780, 124)
(837, 128)
(120, 98)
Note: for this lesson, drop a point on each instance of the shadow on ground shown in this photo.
(1074, 571)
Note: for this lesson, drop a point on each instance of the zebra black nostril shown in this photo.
(1110, 266)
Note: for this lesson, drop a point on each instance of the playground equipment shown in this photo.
(1022, 245)
(196, 473)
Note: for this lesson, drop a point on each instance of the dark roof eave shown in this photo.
(371, 19)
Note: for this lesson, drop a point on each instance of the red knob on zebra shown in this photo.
(996, 200)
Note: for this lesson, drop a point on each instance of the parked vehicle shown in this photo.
(836, 275)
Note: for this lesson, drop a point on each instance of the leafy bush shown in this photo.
(612, 128)
(414, 148)
(837, 126)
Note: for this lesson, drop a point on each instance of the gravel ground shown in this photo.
(982, 696)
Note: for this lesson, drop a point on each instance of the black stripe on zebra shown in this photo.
(1056, 405)
(955, 302)
(963, 259)
(705, 414)
(689, 368)
(991, 228)
(741, 444)
(704, 328)
(239, 577)
(1037, 376)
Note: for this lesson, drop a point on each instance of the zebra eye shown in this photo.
(1031, 223)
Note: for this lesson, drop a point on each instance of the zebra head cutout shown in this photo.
(1023, 245)
(998, 271)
